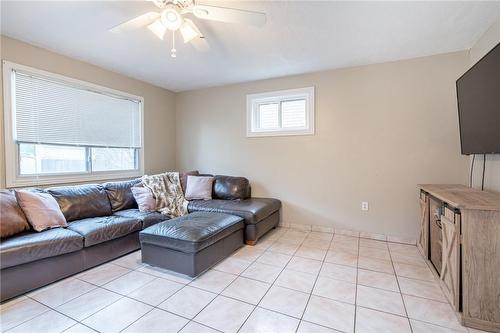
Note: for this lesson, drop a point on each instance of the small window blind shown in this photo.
(293, 113)
(53, 112)
(269, 116)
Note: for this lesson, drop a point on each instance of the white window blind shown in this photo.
(52, 112)
(269, 116)
(293, 113)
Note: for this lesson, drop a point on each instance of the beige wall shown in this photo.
(492, 174)
(380, 130)
(159, 104)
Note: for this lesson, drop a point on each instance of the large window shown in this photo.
(285, 112)
(59, 129)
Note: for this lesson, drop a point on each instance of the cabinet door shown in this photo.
(423, 239)
(450, 269)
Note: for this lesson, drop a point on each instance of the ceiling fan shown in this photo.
(170, 17)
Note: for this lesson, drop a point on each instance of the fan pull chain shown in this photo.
(173, 53)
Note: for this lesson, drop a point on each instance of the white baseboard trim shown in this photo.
(348, 232)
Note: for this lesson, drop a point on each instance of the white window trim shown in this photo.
(254, 100)
(13, 179)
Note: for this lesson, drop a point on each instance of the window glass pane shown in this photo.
(112, 159)
(293, 113)
(268, 116)
(49, 159)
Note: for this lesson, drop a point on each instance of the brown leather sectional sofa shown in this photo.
(104, 223)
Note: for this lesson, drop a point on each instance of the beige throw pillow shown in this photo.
(144, 198)
(199, 188)
(41, 210)
(183, 178)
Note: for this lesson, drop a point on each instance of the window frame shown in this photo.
(255, 100)
(13, 178)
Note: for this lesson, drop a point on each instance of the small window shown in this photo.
(286, 112)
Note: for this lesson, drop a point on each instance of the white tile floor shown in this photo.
(291, 281)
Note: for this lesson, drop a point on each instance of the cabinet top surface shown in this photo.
(460, 196)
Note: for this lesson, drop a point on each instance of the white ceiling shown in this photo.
(299, 37)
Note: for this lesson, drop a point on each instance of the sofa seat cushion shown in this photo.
(31, 246)
(97, 230)
(193, 232)
(253, 210)
(148, 218)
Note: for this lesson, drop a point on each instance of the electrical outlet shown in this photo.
(364, 205)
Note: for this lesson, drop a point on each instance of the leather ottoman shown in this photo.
(192, 243)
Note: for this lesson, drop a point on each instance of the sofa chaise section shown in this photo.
(232, 195)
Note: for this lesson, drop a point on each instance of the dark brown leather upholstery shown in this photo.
(148, 219)
(193, 232)
(192, 264)
(31, 246)
(82, 201)
(119, 194)
(254, 231)
(96, 235)
(253, 210)
(12, 218)
(96, 230)
(231, 188)
(19, 279)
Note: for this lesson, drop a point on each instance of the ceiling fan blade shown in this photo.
(200, 44)
(138, 22)
(229, 15)
(158, 28)
(157, 3)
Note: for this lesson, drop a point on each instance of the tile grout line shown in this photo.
(356, 295)
(314, 285)
(400, 292)
(220, 294)
(271, 285)
(264, 250)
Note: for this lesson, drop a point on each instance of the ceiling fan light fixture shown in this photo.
(171, 18)
(189, 31)
(158, 29)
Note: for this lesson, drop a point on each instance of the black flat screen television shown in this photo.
(478, 94)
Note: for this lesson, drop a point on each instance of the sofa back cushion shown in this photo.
(41, 210)
(81, 201)
(231, 188)
(12, 218)
(119, 194)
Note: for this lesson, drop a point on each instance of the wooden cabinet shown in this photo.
(450, 263)
(423, 239)
(469, 243)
